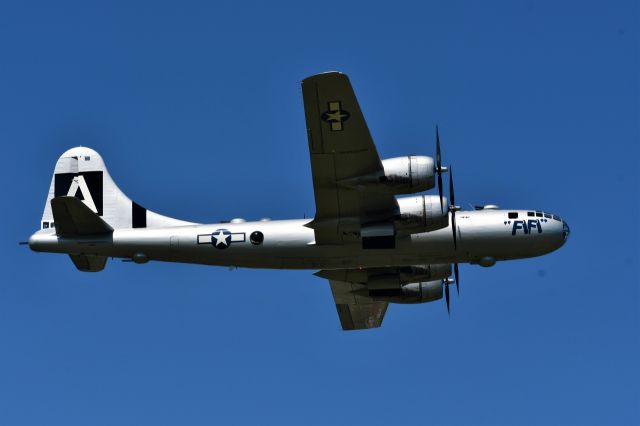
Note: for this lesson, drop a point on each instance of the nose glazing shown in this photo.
(565, 230)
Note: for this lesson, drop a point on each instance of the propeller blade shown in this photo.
(439, 167)
(453, 227)
(440, 191)
(453, 208)
(457, 277)
(452, 196)
(446, 295)
(438, 157)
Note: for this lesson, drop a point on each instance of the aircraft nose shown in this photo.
(565, 231)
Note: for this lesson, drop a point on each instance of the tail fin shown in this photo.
(81, 173)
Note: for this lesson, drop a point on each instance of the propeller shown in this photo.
(447, 281)
(439, 168)
(453, 209)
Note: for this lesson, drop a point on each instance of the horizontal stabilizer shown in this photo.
(88, 262)
(73, 218)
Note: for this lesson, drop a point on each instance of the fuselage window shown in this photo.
(45, 225)
(256, 238)
(513, 215)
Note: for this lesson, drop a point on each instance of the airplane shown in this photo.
(373, 246)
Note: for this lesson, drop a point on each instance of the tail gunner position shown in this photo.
(374, 247)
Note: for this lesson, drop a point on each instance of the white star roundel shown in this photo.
(221, 238)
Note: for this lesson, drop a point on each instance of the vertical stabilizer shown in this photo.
(80, 172)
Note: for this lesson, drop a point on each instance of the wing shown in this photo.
(356, 312)
(342, 152)
(362, 294)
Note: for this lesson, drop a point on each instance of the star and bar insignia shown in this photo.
(221, 238)
(335, 116)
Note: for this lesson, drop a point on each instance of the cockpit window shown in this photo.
(538, 214)
(513, 215)
(556, 217)
(547, 215)
(531, 214)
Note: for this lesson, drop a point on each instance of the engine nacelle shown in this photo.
(419, 292)
(400, 175)
(408, 175)
(412, 274)
(410, 284)
(388, 278)
(422, 213)
(404, 284)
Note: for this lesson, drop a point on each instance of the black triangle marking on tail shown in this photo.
(94, 181)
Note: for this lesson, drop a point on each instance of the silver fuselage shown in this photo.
(483, 236)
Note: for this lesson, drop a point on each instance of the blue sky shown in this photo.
(196, 108)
